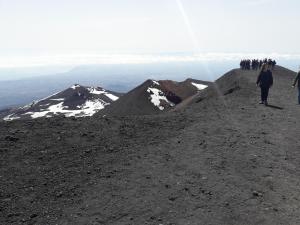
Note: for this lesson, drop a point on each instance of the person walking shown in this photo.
(297, 80)
(264, 81)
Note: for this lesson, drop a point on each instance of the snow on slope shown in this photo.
(77, 101)
(87, 109)
(161, 91)
(112, 97)
(95, 91)
(199, 86)
(157, 97)
(11, 117)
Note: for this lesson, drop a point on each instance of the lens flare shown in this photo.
(198, 49)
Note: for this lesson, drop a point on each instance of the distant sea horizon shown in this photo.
(24, 80)
(14, 67)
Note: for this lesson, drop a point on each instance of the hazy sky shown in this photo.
(78, 27)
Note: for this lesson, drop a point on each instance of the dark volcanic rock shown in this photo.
(221, 172)
(153, 97)
(11, 138)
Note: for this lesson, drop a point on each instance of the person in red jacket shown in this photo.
(265, 81)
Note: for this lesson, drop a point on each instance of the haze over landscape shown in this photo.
(147, 112)
(169, 39)
(61, 33)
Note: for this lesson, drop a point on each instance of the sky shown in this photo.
(35, 32)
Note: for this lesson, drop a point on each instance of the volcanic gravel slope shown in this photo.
(153, 97)
(221, 159)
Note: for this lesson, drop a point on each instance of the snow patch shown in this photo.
(157, 96)
(11, 117)
(95, 91)
(111, 96)
(199, 86)
(89, 108)
(57, 99)
(75, 86)
(155, 82)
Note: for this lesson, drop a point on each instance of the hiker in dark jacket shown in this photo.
(265, 81)
(297, 80)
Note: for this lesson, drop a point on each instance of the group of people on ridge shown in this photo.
(265, 82)
(255, 64)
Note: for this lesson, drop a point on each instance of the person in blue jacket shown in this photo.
(297, 80)
(265, 81)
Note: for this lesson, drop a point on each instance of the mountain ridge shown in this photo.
(149, 97)
(221, 159)
(152, 97)
(75, 101)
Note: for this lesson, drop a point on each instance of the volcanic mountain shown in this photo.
(219, 159)
(77, 101)
(153, 97)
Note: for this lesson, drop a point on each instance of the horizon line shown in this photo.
(80, 59)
